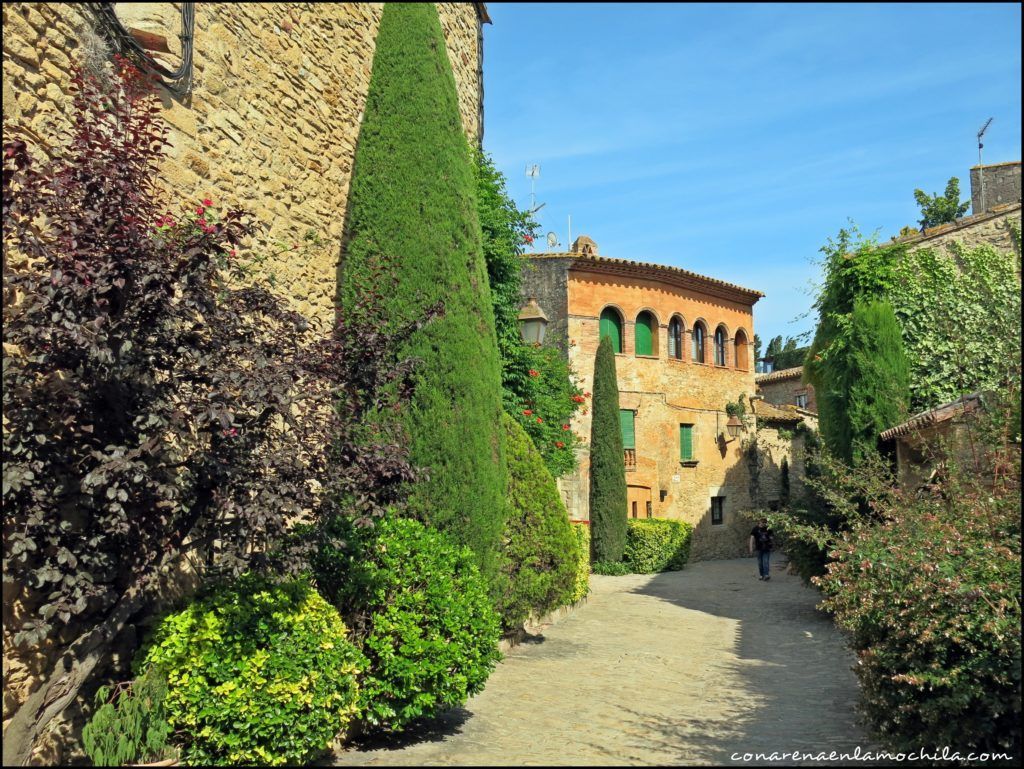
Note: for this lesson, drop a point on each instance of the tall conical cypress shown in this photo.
(412, 209)
(607, 466)
(878, 376)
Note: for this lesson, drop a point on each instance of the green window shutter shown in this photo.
(644, 343)
(610, 327)
(628, 433)
(685, 442)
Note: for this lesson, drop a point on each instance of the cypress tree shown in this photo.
(607, 467)
(412, 213)
(878, 376)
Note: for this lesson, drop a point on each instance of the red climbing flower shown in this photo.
(534, 372)
(565, 427)
(559, 444)
(528, 412)
(207, 202)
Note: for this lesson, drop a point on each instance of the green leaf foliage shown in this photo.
(607, 465)
(581, 580)
(958, 312)
(654, 545)
(256, 674)
(539, 555)
(129, 726)
(421, 613)
(941, 209)
(611, 568)
(413, 210)
(537, 385)
(929, 589)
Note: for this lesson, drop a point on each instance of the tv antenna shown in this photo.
(552, 240)
(981, 168)
(533, 171)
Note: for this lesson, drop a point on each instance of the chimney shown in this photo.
(994, 185)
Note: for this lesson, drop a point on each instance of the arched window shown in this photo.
(675, 338)
(611, 326)
(740, 345)
(646, 334)
(720, 339)
(697, 337)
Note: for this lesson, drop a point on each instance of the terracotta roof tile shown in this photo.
(780, 375)
(934, 416)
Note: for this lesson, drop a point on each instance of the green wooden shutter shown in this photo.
(610, 328)
(685, 442)
(644, 343)
(628, 433)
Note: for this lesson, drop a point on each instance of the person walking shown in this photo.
(761, 539)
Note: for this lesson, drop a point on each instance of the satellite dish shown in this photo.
(552, 240)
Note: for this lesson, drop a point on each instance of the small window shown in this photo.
(634, 509)
(627, 421)
(717, 511)
(774, 505)
(719, 346)
(740, 351)
(662, 494)
(697, 337)
(646, 334)
(611, 326)
(675, 339)
(801, 400)
(685, 443)
(650, 510)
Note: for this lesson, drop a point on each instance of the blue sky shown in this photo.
(734, 140)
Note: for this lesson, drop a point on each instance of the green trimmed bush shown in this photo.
(654, 545)
(607, 464)
(413, 213)
(421, 614)
(539, 555)
(256, 674)
(129, 725)
(581, 581)
(611, 568)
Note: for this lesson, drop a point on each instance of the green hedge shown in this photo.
(581, 581)
(256, 674)
(657, 545)
(413, 214)
(421, 614)
(539, 553)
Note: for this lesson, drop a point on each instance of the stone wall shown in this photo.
(270, 126)
(784, 392)
(1002, 186)
(272, 120)
(993, 228)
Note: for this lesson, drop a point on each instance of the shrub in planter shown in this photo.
(581, 580)
(420, 610)
(129, 724)
(657, 545)
(539, 549)
(256, 674)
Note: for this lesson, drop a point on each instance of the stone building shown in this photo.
(683, 352)
(926, 439)
(265, 118)
(787, 388)
(269, 121)
(997, 184)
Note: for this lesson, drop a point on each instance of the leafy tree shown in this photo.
(413, 209)
(607, 464)
(936, 209)
(537, 386)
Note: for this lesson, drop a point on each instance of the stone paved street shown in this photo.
(676, 668)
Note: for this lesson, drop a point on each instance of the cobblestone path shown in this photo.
(683, 667)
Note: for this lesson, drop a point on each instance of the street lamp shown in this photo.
(734, 426)
(532, 322)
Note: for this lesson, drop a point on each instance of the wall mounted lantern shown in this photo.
(532, 322)
(734, 426)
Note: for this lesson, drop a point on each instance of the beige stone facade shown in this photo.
(269, 126)
(787, 388)
(993, 228)
(665, 392)
(272, 120)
